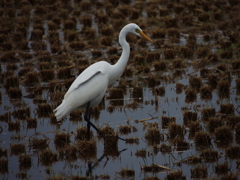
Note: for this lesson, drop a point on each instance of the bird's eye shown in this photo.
(137, 31)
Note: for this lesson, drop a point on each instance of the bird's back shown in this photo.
(89, 86)
(88, 74)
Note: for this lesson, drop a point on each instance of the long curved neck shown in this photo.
(119, 67)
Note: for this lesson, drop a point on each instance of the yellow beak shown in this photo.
(145, 36)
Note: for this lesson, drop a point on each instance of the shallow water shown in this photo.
(170, 104)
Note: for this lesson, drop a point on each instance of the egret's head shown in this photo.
(135, 29)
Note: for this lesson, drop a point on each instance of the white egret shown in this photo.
(90, 86)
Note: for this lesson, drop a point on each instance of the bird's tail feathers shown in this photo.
(62, 111)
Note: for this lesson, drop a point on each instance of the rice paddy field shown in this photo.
(176, 105)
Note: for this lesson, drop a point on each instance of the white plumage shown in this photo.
(91, 85)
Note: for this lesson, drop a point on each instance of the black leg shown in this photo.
(89, 123)
(89, 168)
(88, 131)
(121, 138)
(88, 115)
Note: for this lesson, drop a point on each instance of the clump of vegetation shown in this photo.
(44, 109)
(14, 126)
(194, 127)
(17, 149)
(221, 168)
(202, 139)
(213, 123)
(61, 139)
(116, 93)
(25, 161)
(176, 175)
(64, 73)
(190, 95)
(141, 153)
(165, 148)
(31, 78)
(178, 63)
(31, 123)
(193, 160)
(206, 92)
(209, 155)
(223, 134)
(180, 144)
(169, 53)
(195, 82)
(87, 148)
(176, 130)
(179, 88)
(47, 157)
(154, 168)
(3, 165)
(127, 129)
(159, 66)
(158, 33)
(167, 120)
(232, 152)
(153, 135)
(38, 143)
(3, 152)
(186, 52)
(126, 173)
(213, 80)
(237, 132)
(160, 91)
(223, 88)
(110, 141)
(82, 133)
(132, 140)
(15, 92)
(204, 72)
(12, 81)
(232, 176)
(189, 116)
(227, 109)
(208, 113)
(199, 172)
(153, 56)
(152, 81)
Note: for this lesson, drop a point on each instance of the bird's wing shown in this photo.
(87, 75)
(91, 90)
(87, 80)
(81, 80)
